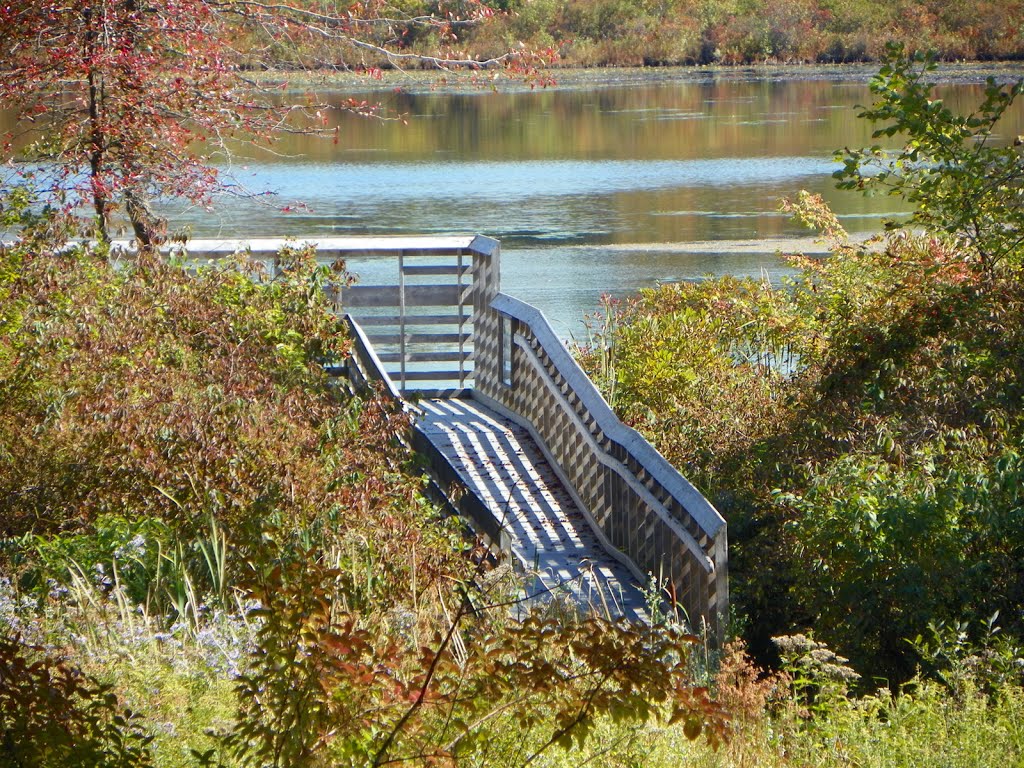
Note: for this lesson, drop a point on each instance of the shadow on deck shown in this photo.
(547, 533)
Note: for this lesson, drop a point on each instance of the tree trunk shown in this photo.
(97, 143)
(150, 229)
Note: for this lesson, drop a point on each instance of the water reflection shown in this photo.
(597, 270)
(565, 177)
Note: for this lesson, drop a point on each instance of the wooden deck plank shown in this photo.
(551, 538)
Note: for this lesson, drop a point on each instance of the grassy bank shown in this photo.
(564, 76)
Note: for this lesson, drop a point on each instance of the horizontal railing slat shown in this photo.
(424, 357)
(391, 296)
(436, 269)
(420, 338)
(447, 375)
(334, 247)
(368, 321)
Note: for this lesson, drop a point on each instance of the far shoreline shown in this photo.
(487, 80)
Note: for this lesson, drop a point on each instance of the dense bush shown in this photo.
(192, 411)
(52, 714)
(861, 428)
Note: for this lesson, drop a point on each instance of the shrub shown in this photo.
(327, 687)
(146, 393)
(890, 434)
(959, 178)
(53, 715)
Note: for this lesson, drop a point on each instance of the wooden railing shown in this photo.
(443, 329)
(364, 368)
(641, 505)
(365, 371)
(420, 321)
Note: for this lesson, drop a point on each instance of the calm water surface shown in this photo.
(590, 188)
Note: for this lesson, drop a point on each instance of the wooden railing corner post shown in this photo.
(486, 320)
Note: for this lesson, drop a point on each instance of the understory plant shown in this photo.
(53, 714)
(962, 179)
(329, 686)
(871, 481)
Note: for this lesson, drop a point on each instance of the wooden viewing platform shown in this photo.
(518, 439)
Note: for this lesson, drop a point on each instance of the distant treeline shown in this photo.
(672, 32)
(657, 32)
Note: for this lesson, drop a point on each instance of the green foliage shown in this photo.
(326, 687)
(819, 679)
(891, 548)
(773, 725)
(713, 354)
(146, 393)
(960, 177)
(128, 548)
(972, 659)
(921, 725)
(53, 715)
(860, 429)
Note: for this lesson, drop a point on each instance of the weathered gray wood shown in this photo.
(419, 338)
(442, 393)
(547, 534)
(461, 311)
(412, 319)
(403, 308)
(372, 296)
(365, 361)
(336, 247)
(424, 357)
(435, 269)
(641, 504)
(449, 374)
(401, 316)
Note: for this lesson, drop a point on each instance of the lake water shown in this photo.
(593, 187)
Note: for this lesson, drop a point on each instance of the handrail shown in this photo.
(367, 367)
(366, 362)
(637, 501)
(422, 317)
(708, 517)
(619, 468)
